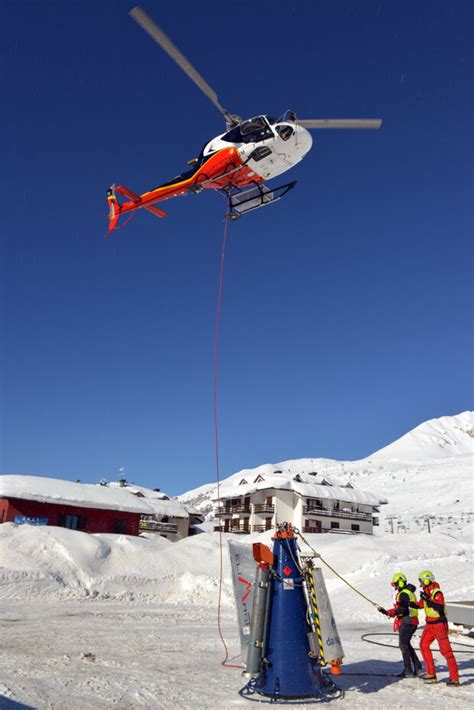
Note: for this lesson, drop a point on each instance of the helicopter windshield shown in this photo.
(252, 131)
(287, 116)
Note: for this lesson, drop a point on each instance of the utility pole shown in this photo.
(428, 523)
(390, 519)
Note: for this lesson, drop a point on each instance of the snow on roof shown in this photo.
(306, 485)
(84, 495)
(161, 503)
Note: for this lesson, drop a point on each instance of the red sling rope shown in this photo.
(216, 349)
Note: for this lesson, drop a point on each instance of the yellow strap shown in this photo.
(335, 571)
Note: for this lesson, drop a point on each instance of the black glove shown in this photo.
(382, 610)
(424, 595)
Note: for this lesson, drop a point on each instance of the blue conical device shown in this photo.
(288, 672)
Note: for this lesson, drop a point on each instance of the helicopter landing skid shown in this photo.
(246, 200)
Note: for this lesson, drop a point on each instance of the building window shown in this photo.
(355, 527)
(242, 482)
(73, 522)
(119, 526)
(259, 479)
(334, 525)
(268, 523)
(313, 526)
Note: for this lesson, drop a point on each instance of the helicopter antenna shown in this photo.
(157, 34)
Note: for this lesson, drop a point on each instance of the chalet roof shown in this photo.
(306, 485)
(161, 503)
(84, 495)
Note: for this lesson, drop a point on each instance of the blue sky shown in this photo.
(346, 315)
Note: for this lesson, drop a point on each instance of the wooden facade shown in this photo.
(75, 517)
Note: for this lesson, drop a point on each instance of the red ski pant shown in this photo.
(440, 633)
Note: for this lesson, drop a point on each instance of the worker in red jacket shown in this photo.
(432, 601)
(405, 615)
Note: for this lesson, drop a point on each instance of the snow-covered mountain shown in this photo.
(428, 471)
(435, 439)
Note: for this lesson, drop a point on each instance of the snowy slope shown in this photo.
(426, 472)
(435, 439)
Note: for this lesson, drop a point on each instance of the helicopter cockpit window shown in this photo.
(253, 131)
(257, 129)
(284, 132)
(255, 124)
(233, 136)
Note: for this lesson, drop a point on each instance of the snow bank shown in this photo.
(64, 563)
(61, 563)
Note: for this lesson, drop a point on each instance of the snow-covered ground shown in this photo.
(109, 621)
(104, 621)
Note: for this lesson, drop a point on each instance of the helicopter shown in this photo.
(237, 163)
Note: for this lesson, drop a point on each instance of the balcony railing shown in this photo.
(236, 530)
(334, 513)
(263, 508)
(336, 530)
(157, 526)
(260, 528)
(233, 509)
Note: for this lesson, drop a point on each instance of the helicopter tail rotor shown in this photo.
(135, 202)
(114, 209)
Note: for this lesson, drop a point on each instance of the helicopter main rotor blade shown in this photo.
(340, 122)
(146, 23)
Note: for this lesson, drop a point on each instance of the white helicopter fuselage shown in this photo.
(269, 151)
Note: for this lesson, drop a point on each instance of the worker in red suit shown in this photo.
(432, 601)
(405, 615)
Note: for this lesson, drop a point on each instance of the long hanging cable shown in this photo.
(216, 430)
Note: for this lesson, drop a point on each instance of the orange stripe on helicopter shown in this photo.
(222, 163)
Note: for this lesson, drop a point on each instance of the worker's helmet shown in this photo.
(426, 577)
(399, 580)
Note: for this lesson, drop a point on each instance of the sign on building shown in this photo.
(25, 520)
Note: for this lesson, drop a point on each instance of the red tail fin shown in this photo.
(115, 209)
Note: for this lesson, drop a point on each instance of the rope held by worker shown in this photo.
(298, 532)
